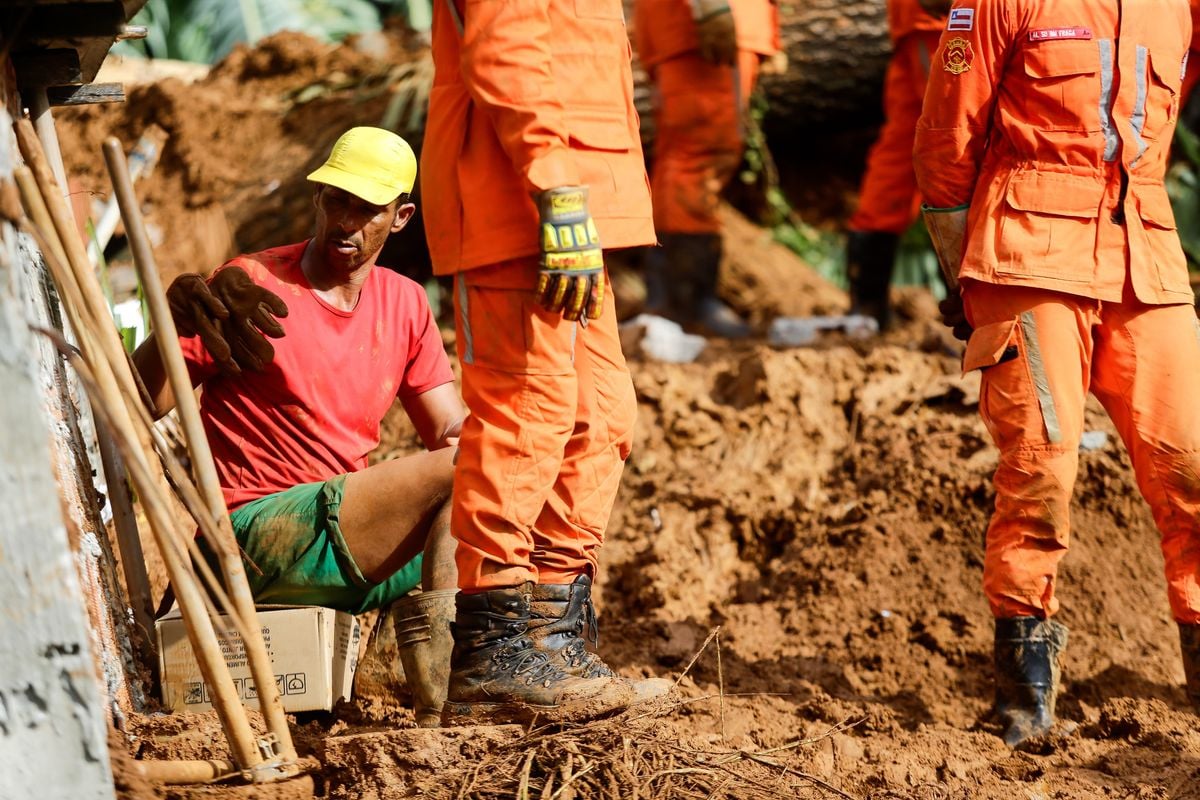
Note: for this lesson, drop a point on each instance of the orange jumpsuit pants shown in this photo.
(1040, 353)
(700, 138)
(888, 200)
(551, 424)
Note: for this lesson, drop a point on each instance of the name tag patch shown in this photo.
(961, 19)
(1046, 34)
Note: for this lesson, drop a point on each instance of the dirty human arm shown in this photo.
(153, 375)
(437, 415)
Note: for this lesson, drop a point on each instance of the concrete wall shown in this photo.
(54, 711)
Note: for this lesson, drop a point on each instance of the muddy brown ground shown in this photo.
(824, 507)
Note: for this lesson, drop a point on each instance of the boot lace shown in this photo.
(524, 661)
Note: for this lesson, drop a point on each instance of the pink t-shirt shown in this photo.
(315, 411)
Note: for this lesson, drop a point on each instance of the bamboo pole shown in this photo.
(228, 551)
(133, 563)
(113, 409)
(182, 772)
(191, 599)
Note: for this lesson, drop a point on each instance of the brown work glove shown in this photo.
(232, 315)
(716, 31)
(938, 8)
(954, 316)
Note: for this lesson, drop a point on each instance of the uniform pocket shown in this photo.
(597, 131)
(1064, 83)
(1158, 223)
(1164, 82)
(1050, 229)
(991, 344)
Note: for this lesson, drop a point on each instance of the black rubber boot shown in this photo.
(1026, 661)
(498, 675)
(1189, 644)
(870, 259)
(693, 262)
(562, 622)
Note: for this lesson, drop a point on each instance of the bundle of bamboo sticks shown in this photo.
(37, 207)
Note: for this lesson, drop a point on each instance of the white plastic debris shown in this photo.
(1093, 440)
(800, 331)
(661, 339)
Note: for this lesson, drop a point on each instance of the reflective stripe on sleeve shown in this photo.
(1111, 141)
(1138, 120)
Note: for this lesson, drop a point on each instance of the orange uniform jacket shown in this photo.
(757, 23)
(530, 95)
(1058, 140)
(907, 16)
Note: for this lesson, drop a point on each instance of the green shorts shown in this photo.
(294, 538)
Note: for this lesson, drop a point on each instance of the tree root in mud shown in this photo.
(634, 755)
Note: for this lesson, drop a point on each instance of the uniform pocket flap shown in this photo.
(1061, 195)
(1154, 206)
(1168, 71)
(1063, 58)
(599, 131)
(989, 345)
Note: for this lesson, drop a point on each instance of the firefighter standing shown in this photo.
(532, 162)
(888, 201)
(1042, 149)
(703, 56)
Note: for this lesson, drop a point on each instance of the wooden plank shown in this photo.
(85, 94)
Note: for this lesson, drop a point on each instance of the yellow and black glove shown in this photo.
(571, 279)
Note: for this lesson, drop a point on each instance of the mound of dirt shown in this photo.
(240, 142)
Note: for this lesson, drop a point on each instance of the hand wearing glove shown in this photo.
(716, 31)
(954, 316)
(232, 315)
(571, 278)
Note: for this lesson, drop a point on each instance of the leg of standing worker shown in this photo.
(1147, 374)
(699, 114)
(888, 201)
(520, 383)
(1034, 350)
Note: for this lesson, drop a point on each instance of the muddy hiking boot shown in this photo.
(498, 675)
(1027, 673)
(870, 260)
(422, 625)
(1189, 644)
(562, 623)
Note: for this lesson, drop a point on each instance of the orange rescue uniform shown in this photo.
(1053, 121)
(529, 95)
(698, 106)
(888, 201)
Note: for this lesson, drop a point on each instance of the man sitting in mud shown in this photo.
(291, 423)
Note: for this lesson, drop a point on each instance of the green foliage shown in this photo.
(206, 30)
(1183, 186)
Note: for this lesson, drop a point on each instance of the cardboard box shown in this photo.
(314, 652)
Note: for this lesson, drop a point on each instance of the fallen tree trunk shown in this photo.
(837, 52)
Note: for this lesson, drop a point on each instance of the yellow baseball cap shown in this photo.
(371, 163)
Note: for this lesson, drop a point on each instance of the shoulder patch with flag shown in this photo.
(961, 19)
